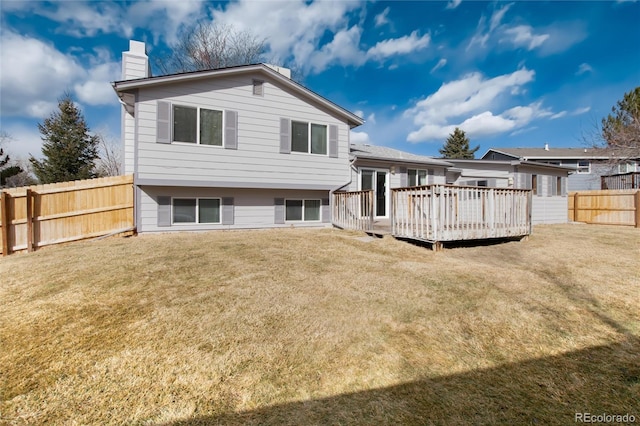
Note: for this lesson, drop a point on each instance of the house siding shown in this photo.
(257, 157)
(252, 208)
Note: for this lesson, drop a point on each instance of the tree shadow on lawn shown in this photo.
(550, 390)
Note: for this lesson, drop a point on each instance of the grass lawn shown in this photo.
(318, 327)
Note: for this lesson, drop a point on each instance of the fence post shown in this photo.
(29, 199)
(6, 223)
(637, 206)
(575, 207)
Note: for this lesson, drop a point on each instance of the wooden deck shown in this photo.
(440, 213)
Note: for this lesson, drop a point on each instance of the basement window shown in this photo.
(195, 210)
(302, 210)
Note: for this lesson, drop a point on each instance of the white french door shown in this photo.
(376, 180)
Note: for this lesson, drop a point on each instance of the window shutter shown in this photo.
(279, 210)
(227, 211)
(492, 183)
(231, 129)
(563, 184)
(404, 178)
(285, 136)
(164, 211)
(326, 210)
(430, 177)
(333, 141)
(163, 122)
(552, 186)
(539, 185)
(527, 180)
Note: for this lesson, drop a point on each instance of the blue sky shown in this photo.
(511, 74)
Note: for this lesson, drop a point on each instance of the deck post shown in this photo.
(6, 222)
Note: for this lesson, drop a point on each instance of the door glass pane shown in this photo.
(293, 210)
(184, 210)
(311, 209)
(367, 180)
(412, 177)
(184, 124)
(209, 210)
(318, 139)
(299, 136)
(381, 190)
(210, 127)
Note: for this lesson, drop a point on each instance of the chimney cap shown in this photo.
(546, 147)
(137, 47)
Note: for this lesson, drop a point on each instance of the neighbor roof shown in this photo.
(461, 162)
(125, 85)
(551, 153)
(374, 152)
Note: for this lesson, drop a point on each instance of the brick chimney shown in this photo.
(135, 62)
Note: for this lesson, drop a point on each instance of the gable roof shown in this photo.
(551, 153)
(374, 152)
(268, 72)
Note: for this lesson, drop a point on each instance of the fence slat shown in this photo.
(605, 207)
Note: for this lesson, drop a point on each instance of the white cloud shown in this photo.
(584, 68)
(452, 4)
(522, 36)
(469, 103)
(359, 113)
(496, 17)
(441, 63)
(343, 49)
(38, 75)
(399, 46)
(382, 18)
(359, 137)
(579, 111)
(558, 115)
(483, 33)
(24, 141)
(371, 118)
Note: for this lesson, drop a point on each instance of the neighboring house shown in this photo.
(590, 163)
(547, 182)
(240, 147)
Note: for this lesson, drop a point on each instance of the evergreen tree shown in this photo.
(457, 146)
(621, 128)
(68, 148)
(6, 170)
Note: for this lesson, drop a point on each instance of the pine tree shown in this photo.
(68, 148)
(621, 128)
(457, 146)
(6, 171)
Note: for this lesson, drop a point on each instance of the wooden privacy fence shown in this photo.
(353, 210)
(439, 213)
(42, 215)
(606, 207)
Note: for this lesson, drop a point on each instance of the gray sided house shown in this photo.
(590, 163)
(240, 147)
(548, 183)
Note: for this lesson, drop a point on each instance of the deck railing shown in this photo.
(452, 213)
(629, 180)
(353, 210)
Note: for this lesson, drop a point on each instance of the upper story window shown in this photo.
(627, 167)
(417, 177)
(197, 125)
(584, 167)
(308, 137)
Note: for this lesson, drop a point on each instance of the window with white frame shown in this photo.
(627, 167)
(308, 137)
(195, 210)
(417, 177)
(584, 167)
(302, 210)
(197, 125)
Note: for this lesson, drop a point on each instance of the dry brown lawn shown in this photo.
(318, 327)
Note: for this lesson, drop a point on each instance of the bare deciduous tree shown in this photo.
(109, 162)
(207, 45)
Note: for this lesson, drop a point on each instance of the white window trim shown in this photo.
(304, 200)
(387, 195)
(197, 108)
(197, 222)
(582, 172)
(309, 123)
